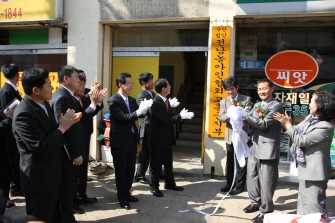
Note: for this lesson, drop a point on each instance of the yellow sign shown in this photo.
(28, 10)
(53, 77)
(219, 70)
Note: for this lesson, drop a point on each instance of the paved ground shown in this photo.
(201, 193)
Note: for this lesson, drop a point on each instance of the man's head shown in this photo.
(162, 87)
(80, 91)
(265, 89)
(69, 78)
(11, 72)
(82, 73)
(231, 87)
(145, 80)
(125, 84)
(37, 84)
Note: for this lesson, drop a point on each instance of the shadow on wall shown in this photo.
(119, 10)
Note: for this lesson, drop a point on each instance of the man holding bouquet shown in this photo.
(233, 99)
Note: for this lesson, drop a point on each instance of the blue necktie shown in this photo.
(127, 104)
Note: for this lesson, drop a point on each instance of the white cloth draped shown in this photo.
(240, 137)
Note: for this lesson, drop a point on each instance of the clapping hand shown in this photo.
(284, 119)
(144, 106)
(186, 115)
(174, 102)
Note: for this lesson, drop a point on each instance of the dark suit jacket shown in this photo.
(39, 143)
(161, 128)
(266, 132)
(144, 123)
(60, 102)
(7, 94)
(122, 121)
(89, 120)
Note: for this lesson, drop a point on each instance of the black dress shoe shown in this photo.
(173, 188)
(125, 205)
(142, 180)
(225, 188)
(156, 192)
(258, 219)
(251, 208)
(77, 210)
(10, 203)
(86, 200)
(132, 199)
(236, 191)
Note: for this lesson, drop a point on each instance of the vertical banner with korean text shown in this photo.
(219, 70)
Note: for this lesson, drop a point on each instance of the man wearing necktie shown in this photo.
(146, 81)
(161, 136)
(262, 167)
(40, 140)
(62, 100)
(124, 111)
(89, 105)
(7, 94)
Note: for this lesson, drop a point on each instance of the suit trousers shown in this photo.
(82, 178)
(161, 156)
(5, 177)
(42, 205)
(262, 178)
(312, 197)
(124, 164)
(67, 190)
(241, 172)
(143, 159)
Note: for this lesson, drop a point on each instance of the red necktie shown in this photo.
(167, 104)
(81, 103)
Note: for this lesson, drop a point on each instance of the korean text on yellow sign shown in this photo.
(27, 10)
(219, 70)
(52, 75)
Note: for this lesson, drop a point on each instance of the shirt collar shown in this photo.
(69, 91)
(164, 99)
(124, 97)
(15, 88)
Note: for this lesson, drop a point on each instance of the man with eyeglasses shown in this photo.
(124, 111)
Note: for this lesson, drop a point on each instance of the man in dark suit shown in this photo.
(231, 87)
(262, 169)
(40, 141)
(7, 94)
(161, 137)
(124, 136)
(5, 176)
(147, 84)
(86, 104)
(72, 154)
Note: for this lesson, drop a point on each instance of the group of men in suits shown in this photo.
(156, 132)
(53, 142)
(261, 171)
(10, 155)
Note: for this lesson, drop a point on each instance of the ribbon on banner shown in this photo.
(241, 149)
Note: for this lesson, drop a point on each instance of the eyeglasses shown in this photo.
(130, 84)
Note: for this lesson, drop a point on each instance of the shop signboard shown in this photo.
(291, 69)
(52, 75)
(32, 10)
(219, 70)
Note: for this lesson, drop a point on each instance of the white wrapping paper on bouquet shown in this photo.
(240, 137)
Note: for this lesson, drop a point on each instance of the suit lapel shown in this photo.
(160, 100)
(77, 109)
(51, 114)
(38, 109)
(123, 103)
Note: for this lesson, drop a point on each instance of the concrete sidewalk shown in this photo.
(200, 192)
